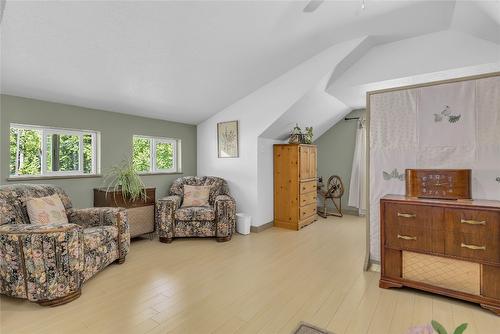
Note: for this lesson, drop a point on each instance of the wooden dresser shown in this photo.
(141, 213)
(449, 247)
(295, 185)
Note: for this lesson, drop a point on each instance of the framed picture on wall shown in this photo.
(227, 139)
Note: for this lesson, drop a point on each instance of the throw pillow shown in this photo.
(46, 210)
(196, 195)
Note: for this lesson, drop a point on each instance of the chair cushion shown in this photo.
(198, 213)
(195, 195)
(46, 210)
(94, 237)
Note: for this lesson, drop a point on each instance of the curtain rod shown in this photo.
(350, 118)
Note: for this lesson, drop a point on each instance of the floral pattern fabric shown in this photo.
(225, 211)
(216, 220)
(48, 261)
(164, 215)
(44, 210)
(93, 217)
(94, 237)
(40, 262)
(194, 229)
(195, 195)
(195, 213)
(218, 186)
(13, 200)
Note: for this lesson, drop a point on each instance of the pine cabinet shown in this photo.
(295, 185)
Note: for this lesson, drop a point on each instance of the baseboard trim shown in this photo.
(257, 229)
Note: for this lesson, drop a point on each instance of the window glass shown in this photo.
(25, 149)
(155, 154)
(142, 154)
(88, 159)
(164, 155)
(62, 152)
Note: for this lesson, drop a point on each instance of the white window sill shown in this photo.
(51, 177)
(160, 173)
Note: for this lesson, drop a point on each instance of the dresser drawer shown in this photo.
(473, 234)
(426, 217)
(308, 186)
(307, 211)
(416, 238)
(308, 198)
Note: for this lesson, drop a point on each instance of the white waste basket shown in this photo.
(243, 223)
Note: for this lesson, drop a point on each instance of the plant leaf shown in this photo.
(438, 327)
(460, 329)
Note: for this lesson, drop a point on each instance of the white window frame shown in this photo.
(45, 131)
(176, 154)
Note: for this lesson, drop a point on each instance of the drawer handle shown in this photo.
(406, 215)
(405, 237)
(473, 247)
(473, 222)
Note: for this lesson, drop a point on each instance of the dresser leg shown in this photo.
(387, 284)
(492, 308)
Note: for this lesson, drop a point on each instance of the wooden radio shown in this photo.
(439, 183)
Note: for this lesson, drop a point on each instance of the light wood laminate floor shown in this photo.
(262, 283)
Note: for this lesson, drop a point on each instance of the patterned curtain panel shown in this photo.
(453, 125)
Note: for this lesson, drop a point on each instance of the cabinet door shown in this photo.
(307, 163)
(313, 157)
(286, 186)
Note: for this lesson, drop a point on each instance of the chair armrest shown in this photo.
(165, 212)
(225, 215)
(41, 262)
(104, 216)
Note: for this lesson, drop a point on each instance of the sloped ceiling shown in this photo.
(447, 50)
(181, 60)
(468, 46)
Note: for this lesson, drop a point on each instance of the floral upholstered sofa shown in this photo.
(216, 220)
(48, 263)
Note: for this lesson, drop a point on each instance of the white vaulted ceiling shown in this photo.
(184, 61)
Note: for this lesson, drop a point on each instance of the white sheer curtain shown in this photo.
(357, 187)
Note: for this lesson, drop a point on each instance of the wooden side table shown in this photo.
(141, 213)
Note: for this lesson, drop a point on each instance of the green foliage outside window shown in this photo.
(69, 146)
(164, 156)
(62, 152)
(141, 154)
(29, 156)
(87, 153)
(13, 150)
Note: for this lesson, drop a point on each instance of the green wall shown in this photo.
(116, 141)
(335, 153)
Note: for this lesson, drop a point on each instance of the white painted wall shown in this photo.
(441, 51)
(255, 113)
(265, 179)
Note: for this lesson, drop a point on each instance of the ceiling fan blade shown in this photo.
(312, 6)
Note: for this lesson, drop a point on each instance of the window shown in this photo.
(156, 155)
(40, 151)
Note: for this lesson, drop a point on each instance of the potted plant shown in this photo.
(124, 180)
(123, 187)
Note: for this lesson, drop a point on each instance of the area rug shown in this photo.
(305, 328)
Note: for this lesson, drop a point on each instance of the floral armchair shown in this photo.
(217, 220)
(48, 263)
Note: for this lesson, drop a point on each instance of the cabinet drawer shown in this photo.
(307, 211)
(308, 198)
(414, 215)
(414, 238)
(473, 234)
(307, 186)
